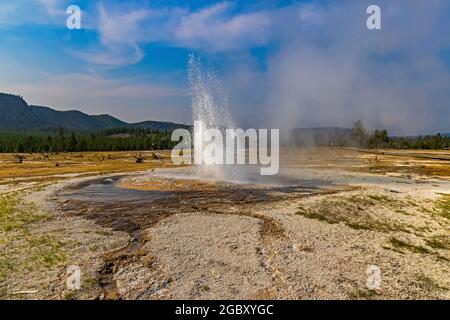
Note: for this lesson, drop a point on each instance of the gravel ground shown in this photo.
(222, 244)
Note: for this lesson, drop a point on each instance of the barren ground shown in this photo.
(198, 239)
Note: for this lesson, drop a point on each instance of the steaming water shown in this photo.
(210, 106)
(105, 190)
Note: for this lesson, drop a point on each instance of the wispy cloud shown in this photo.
(33, 12)
(215, 28)
(111, 55)
(55, 8)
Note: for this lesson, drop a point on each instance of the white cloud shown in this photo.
(26, 12)
(216, 29)
(123, 27)
(113, 55)
(118, 27)
(121, 30)
(56, 8)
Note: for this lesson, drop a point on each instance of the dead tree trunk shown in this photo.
(139, 158)
(18, 158)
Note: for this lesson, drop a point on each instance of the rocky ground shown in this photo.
(203, 240)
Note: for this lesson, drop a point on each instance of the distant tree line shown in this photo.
(360, 137)
(437, 141)
(137, 139)
(380, 139)
(117, 139)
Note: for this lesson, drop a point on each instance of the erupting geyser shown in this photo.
(210, 106)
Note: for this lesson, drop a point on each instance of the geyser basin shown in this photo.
(106, 190)
(172, 185)
(248, 176)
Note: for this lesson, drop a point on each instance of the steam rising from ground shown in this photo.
(329, 70)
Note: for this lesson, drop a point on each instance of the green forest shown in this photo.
(118, 139)
(137, 139)
(381, 139)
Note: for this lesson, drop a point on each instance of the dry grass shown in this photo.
(443, 206)
(39, 169)
(404, 162)
(355, 212)
(435, 170)
(14, 216)
(439, 242)
(403, 245)
(428, 284)
(21, 249)
(407, 162)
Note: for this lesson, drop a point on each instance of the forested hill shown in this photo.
(17, 116)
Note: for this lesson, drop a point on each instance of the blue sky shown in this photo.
(281, 63)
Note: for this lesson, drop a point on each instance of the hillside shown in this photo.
(17, 116)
